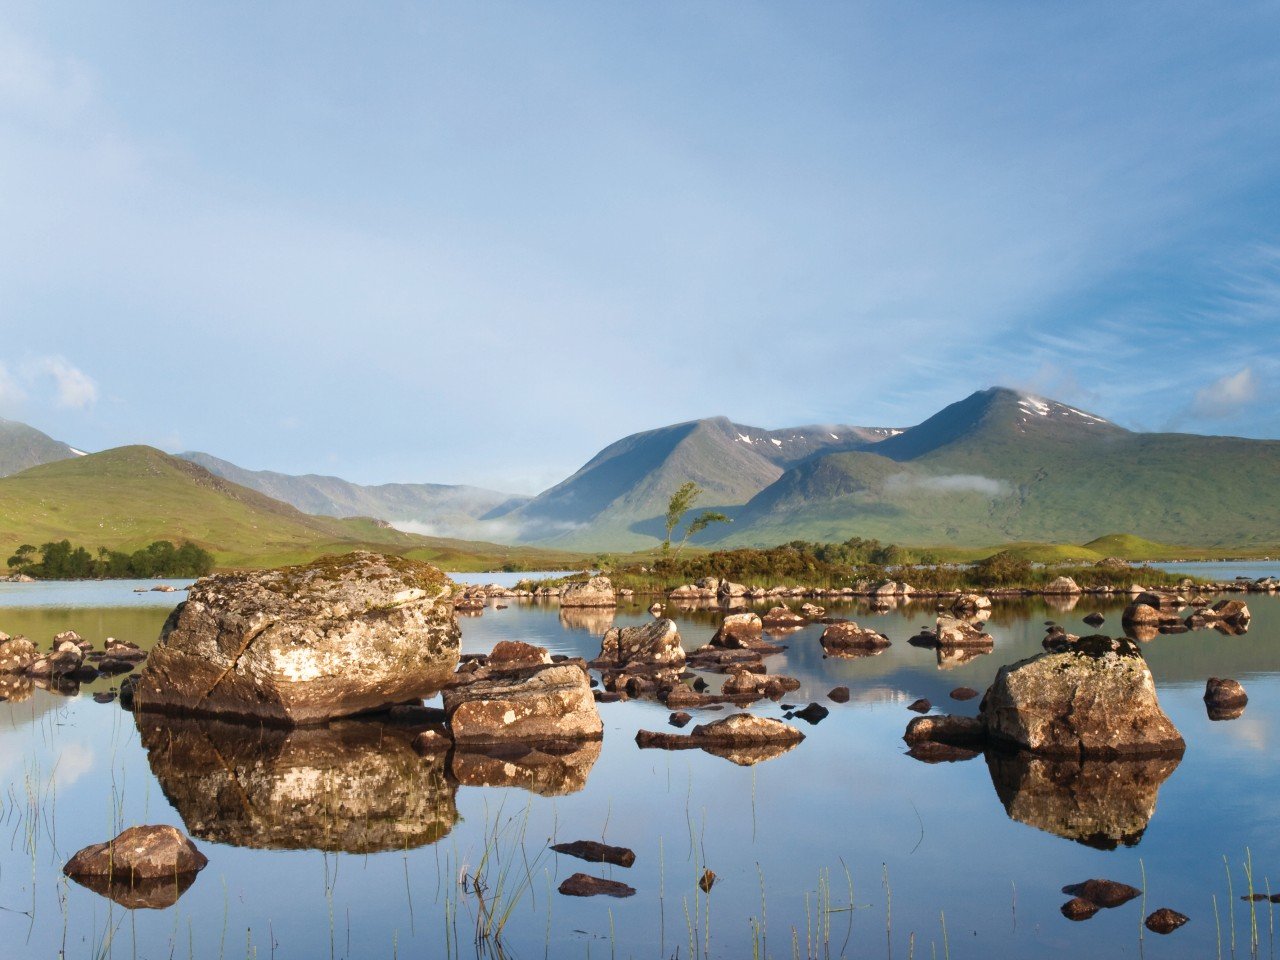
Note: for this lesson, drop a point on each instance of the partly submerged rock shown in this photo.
(596, 592)
(139, 853)
(595, 852)
(738, 631)
(17, 654)
(656, 642)
(353, 786)
(1103, 804)
(1078, 908)
(1108, 894)
(304, 644)
(545, 703)
(954, 632)
(846, 635)
(1096, 700)
(1224, 699)
(1165, 920)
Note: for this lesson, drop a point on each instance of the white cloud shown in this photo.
(1226, 396)
(72, 387)
(948, 483)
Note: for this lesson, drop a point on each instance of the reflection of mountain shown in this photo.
(1100, 803)
(352, 786)
(545, 769)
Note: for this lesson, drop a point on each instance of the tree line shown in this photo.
(62, 561)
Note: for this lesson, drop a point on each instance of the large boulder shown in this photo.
(540, 704)
(596, 592)
(304, 644)
(656, 642)
(1062, 585)
(1097, 699)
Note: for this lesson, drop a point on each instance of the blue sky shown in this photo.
(475, 242)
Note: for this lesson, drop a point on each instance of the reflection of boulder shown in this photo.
(548, 769)
(1062, 602)
(751, 755)
(949, 659)
(353, 786)
(157, 894)
(1100, 803)
(594, 620)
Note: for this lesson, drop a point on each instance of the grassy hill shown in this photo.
(126, 498)
(1004, 467)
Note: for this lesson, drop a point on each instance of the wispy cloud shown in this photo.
(11, 393)
(1226, 396)
(72, 387)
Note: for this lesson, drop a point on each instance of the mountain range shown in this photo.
(997, 467)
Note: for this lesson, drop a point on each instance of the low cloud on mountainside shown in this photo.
(948, 483)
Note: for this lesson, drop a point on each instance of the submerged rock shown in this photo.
(1103, 804)
(1096, 700)
(304, 644)
(353, 786)
(545, 703)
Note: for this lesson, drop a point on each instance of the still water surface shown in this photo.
(344, 843)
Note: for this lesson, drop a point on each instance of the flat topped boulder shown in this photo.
(596, 592)
(847, 635)
(539, 704)
(1097, 699)
(304, 644)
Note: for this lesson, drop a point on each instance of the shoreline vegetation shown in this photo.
(61, 560)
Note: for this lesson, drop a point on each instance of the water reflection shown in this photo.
(1100, 803)
(351, 786)
(549, 770)
(594, 620)
(137, 894)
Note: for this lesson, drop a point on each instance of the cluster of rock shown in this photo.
(1154, 612)
(729, 593)
(69, 661)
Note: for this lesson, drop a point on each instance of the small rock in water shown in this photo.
(104, 696)
(1165, 920)
(813, 713)
(707, 881)
(596, 852)
(1105, 893)
(839, 695)
(584, 885)
(963, 693)
(679, 718)
(1078, 908)
(1095, 619)
(921, 706)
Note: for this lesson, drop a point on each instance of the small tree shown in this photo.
(23, 557)
(678, 506)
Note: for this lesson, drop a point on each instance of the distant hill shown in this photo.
(1005, 466)
(128, 497)
(617, 499)
(439, 509)
(22, 446)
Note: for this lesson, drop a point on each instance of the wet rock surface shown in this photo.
(305, 644)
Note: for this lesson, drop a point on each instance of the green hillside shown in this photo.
(22, 447)
(126, 498)
(1002, 467)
